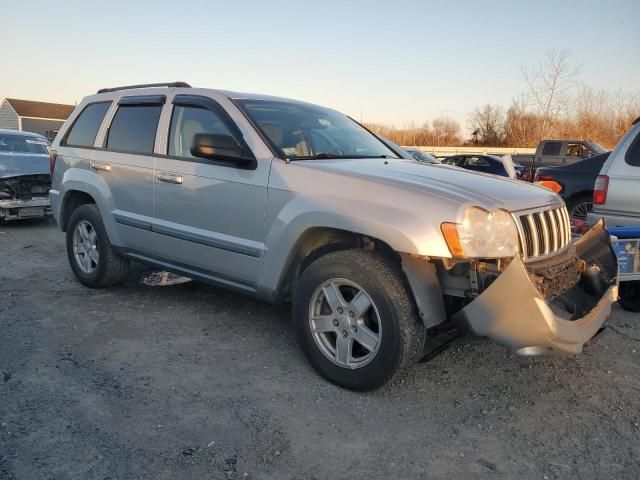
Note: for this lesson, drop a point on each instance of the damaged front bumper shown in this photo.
(18, 209)
(514, 311)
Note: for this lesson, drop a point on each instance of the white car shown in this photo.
(288, 201)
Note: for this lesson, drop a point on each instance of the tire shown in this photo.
(106, 267)
(629, 297)
(579, 207)
(390, 325)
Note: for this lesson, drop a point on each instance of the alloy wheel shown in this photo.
(85, 247)
(345, 323)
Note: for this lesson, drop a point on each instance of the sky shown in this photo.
(392, 62)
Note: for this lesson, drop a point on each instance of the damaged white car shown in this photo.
(25, 179)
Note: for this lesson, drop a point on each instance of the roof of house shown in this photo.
(29, 108)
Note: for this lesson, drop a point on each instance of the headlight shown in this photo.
(482, 234)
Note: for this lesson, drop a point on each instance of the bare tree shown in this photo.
(487, 124)
(447, 131)
(550, 84)
(522, 127)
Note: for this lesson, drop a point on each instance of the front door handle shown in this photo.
(170, 178)
(104, 166)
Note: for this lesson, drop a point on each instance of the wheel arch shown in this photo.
(312, 244)
(418, 273)
(72, 200)
(81, 187)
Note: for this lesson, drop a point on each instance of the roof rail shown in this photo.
(146, 85)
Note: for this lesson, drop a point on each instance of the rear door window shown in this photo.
(552, 149)
(133, 129)
(84, 130)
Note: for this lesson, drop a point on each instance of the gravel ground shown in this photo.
(191, 381)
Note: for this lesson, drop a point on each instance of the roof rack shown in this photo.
(146, 85)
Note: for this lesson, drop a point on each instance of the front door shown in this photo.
(209, 215)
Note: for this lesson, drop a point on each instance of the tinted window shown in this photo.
(633, 154)
(552, 148)
(186, 122)
(134, 128)
(84, 130)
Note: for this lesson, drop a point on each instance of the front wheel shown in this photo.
(356, 320)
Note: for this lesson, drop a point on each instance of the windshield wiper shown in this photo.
(324, 155)
(321, 156)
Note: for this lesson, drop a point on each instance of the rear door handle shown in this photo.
(104, 166)
(170, 178)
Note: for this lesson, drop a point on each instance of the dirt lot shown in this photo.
(191, 381)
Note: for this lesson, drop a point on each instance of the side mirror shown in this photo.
(219, 147)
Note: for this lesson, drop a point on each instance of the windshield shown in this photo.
(423, 157)
(22, 144)
(301, 131)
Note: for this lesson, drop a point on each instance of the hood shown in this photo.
(16, 164)
(455, 184)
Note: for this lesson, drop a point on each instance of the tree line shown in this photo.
(555, 103)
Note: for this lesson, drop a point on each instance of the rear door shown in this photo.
(623, 170)
(126, 162)
(209, 214)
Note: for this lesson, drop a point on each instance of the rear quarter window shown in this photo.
(84, 130)
(632, 156)
(133, 129)
(552, 149)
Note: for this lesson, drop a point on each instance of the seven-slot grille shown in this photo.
(544, 232)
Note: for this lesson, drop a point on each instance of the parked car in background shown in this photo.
(551, 153)
(616, 194)
(421, 156)
(479, 163)
(25, 178)
(288, 201)
(574, 183)
(522, 172)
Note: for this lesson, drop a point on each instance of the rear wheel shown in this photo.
(629, 296)
(355, 319)
(92, 259)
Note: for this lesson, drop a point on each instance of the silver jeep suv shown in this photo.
(289, 201)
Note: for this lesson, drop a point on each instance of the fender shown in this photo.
(92, 183)
(289, 216)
